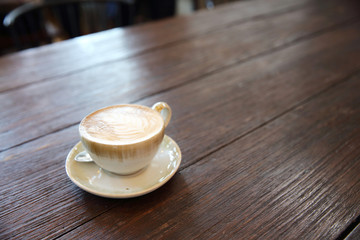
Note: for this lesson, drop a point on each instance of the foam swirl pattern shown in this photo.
(121, 125)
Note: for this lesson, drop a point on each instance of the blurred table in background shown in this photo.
(266, 110)
(145, 11)
(142, 11)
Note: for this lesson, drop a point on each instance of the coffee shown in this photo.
(125, 138)
(122, 124)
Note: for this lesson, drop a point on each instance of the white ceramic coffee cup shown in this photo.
(127, 158)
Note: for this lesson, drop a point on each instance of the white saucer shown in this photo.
(93, 179)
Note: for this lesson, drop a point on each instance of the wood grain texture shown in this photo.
(64, 58)
(266, 112)
(267, 185)
(355, 234)
(219, 113)
(74, 96)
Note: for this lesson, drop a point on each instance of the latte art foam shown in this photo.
(122, 124)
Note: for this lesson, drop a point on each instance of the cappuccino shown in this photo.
(122, 124)
(124, 138)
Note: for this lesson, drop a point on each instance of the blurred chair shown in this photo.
(38, 23)
(209, 4)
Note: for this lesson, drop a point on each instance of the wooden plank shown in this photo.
(354, 234)
(267, 185)
(61, 59)
(128, 81)
(262, 89)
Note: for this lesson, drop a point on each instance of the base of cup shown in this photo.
(125, 174)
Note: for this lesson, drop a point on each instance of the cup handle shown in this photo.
(164, 110)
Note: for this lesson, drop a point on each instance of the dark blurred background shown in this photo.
(141, 11)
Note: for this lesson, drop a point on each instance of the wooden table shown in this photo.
(266, 110)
